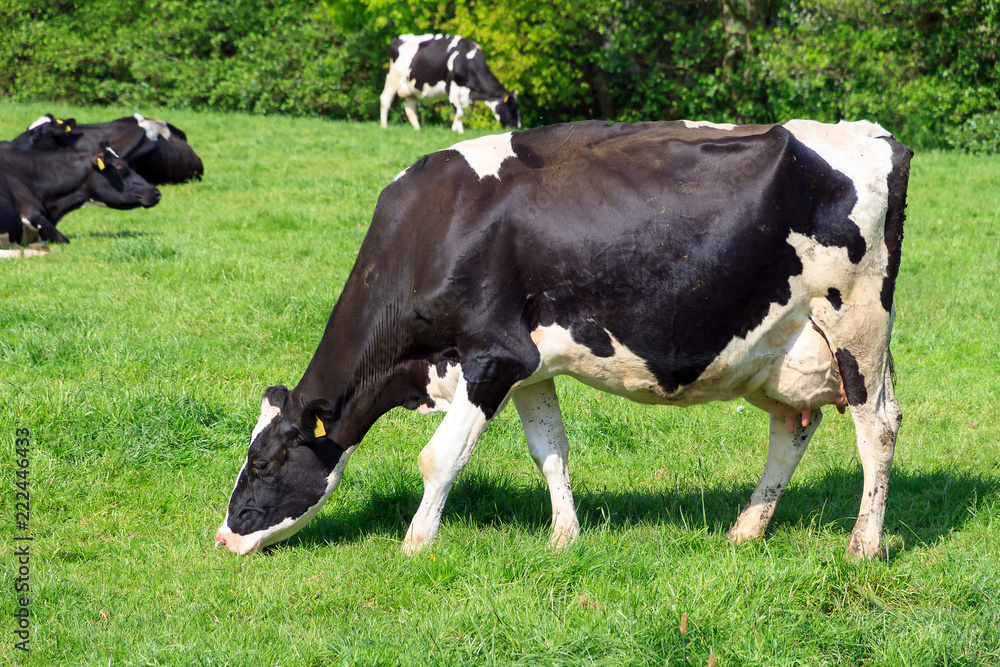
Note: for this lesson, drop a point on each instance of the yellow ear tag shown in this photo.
(506, 98)
(320, 431)
(69, 129)
(59, 121)
(100, 164)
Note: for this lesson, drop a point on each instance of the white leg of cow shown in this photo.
(784, 451)
(387, 96)
(456, 125)
(411, 112)
(538, 407)
(440, 462)
(877, 423)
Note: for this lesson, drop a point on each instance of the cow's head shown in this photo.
(115, 185)
(51, 133)
(505, 110)
(292, 467)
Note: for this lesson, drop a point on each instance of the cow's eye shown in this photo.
(258, 465)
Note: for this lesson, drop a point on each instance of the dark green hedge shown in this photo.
(921, 69)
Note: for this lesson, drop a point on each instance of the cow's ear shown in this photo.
(319, 418)
(276, 396)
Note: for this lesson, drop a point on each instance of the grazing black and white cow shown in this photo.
(436, 66)
(37, 188)
(154, 149)
(674, 263)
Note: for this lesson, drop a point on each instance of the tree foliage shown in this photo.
(921, 69)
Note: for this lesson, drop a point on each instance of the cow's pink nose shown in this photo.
(229, 540)
(236, 543)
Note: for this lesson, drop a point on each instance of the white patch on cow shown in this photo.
(38, 123)
(400, 175)
(695, 124)
(248, 544)
(154, 129)
(441, 388)
(472, 54)
(460, 97)
(451, 61)
(408, 88)
(453, 44)
(27, 224)
(493, 104)
(268, 413)
(486, 154)
(854, 150)
(407, 50)
(624, 373)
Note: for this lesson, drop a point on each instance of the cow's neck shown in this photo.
(59, 204)
(57, 184)
(360, 364)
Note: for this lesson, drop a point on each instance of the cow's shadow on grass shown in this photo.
(923, 507)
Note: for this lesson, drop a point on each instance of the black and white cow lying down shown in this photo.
(37, 188)
(154, 149)
(674, 263)
(435, 66)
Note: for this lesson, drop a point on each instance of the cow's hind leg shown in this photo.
(440, 462)
(784, 451)
(877, 422)
(387, 96)
(538, 407)
(410, 106)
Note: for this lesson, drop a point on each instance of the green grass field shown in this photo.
(137, 356)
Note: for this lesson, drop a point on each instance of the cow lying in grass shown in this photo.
(37, 188)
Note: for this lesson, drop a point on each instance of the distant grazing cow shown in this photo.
(37, 188)
(154, 149)
(435, 66)
(673, 263)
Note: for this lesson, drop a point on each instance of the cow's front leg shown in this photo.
(37, 224)
(538, 407)
(456, 125)
(784, 451)
(440, 462)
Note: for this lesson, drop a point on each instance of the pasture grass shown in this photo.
(137, 356)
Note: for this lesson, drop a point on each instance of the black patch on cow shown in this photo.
(531, 160)
(894, 217)
(833, 296)
(430, 62)
(681, 247)
(854, 381)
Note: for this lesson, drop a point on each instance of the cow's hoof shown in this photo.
(562, 539)
(858, 549)
(413, 546)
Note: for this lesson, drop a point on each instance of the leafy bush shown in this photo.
(979, 134)
(918, 68)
